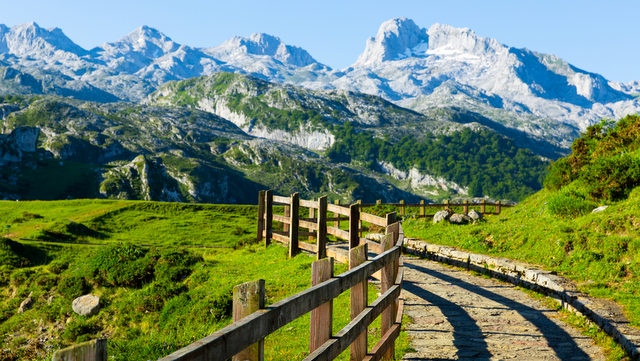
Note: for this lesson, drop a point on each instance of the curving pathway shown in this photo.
(459, 316)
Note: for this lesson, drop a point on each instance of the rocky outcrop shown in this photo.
(26, 304)
(459, 218)
(474, 215)
(418, 179)
(441, 216)
(19, 141)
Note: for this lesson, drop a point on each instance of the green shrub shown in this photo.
(20, 276)
(559, 174)
(175, 264)
(153, 298)
(79, 327)
(46, 280)
(613, 178)
(571, 201)
(5, 274)
(58, 266)
(73, 286)
(122, 265)
(606, 158)
(27, 216)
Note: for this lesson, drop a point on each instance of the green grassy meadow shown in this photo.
(164, 273)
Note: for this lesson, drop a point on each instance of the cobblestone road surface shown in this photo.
(459, 316)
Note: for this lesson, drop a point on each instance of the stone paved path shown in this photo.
(459, 316)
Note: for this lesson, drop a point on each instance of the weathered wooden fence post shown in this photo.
(465, 206)
(322, 316)
(260, 215)
(354, 223)
(321, 232)
(391, 218)
(248, 298)
(387, 279)
(498, 207)
(357, 256)
(336, 215)
(483, 204)
(359, 203)
(287, 213)
(268, 221)
(423, 209)
(402, 210)
(94, 350)
(294, 218)
(312, 215)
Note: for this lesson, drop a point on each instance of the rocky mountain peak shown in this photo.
(265, 44)
(449, 39)
(30, 39)
(394, 40)
(145, 41)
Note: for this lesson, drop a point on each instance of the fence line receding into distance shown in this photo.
(253, 321)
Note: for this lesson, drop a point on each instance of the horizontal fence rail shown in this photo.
(245, 336)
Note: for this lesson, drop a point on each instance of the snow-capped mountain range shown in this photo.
(414, 67)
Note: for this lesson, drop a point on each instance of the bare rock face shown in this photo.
(86, 305)
(26, 304)
(474, 215)
(459, 218)
(441, 216)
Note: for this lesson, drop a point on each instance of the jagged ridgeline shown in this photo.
(220, 138)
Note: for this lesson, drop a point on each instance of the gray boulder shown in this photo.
(441, 216)
(474, 215)
(86, 305)
(26, 304)
(459, 218)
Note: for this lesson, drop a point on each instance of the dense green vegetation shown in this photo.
(604, 166)
(155, 297)
(555, 227)
(489, 164)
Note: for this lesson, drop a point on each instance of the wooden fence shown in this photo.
(243, 339)
(482, 206)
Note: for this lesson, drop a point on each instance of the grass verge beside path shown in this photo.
(599, 251)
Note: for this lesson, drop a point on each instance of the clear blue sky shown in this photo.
(597, 36)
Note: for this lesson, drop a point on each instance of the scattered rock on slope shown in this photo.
(459, 218)
(474, 215)
(86, 305)
(441, 216)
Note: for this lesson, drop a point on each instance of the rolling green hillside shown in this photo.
(164, 273)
